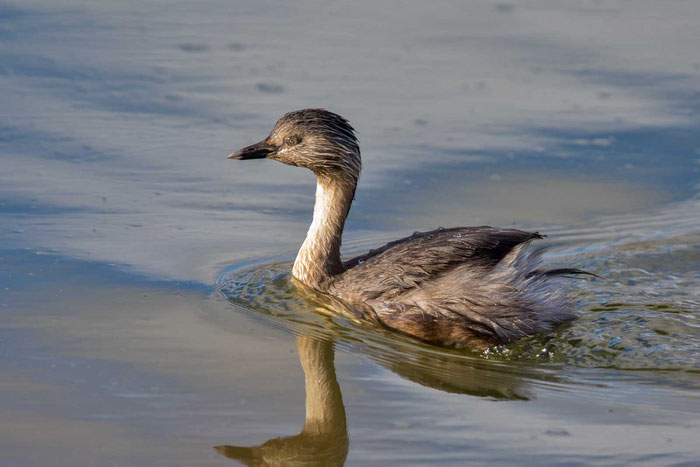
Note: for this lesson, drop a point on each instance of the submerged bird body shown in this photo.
(454, 287)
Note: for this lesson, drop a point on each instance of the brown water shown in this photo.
(147, 312)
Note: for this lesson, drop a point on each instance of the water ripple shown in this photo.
(643, 316)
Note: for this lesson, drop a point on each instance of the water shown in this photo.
(147, 312)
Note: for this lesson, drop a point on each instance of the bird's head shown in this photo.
(313, 138)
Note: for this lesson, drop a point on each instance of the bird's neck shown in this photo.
(319, 255)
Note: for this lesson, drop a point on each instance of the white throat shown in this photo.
(319, 255)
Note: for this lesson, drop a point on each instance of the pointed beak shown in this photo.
(259, 150)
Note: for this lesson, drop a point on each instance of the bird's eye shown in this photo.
(292, 140)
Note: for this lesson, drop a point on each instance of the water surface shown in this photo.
(147, 310)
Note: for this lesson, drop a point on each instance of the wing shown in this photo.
(404, 264)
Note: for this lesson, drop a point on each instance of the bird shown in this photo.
(457, 287)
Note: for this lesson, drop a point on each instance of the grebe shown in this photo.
(455, 287)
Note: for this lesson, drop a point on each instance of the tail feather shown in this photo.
(561, 272)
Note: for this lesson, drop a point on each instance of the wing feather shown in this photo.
(404, 264)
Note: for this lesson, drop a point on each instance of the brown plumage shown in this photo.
(454, 287)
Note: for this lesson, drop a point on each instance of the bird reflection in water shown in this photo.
(324, 439)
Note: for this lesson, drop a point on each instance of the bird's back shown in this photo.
(455, 286)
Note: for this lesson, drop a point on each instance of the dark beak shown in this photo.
(259, 150)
